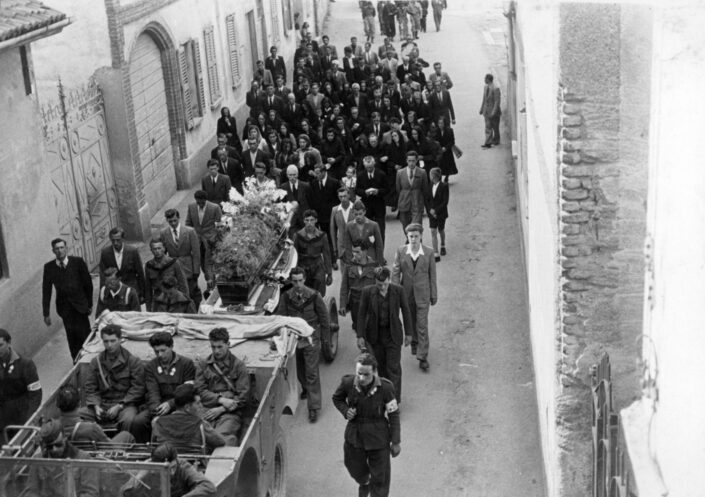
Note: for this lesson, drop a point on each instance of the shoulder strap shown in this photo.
(127, 295)
(74, 431)
(225, 378)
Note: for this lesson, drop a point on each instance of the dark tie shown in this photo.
(271, 101)
(320, 184)
(225, 168)
(62, 265)
(293, 190)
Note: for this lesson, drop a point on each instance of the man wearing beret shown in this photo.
(48, 481)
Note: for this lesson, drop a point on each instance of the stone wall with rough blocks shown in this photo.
(603, 151)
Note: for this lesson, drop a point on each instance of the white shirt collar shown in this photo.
(65, 261)
(417, 254)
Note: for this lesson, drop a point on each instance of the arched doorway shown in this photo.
(151, 119)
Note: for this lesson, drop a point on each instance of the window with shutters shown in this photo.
(286, 16)
(212, 66)
(275, 20)
(233, 50)
(192, 87)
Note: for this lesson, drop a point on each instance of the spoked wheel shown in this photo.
(331, 350)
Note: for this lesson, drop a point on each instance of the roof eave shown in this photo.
(36, 34)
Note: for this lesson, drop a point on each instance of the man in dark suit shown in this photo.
(300, 192)
(74, 294)
(324, 193)
(232, 168)
(252, 156)
(491, 111)
(202, 215)
(438, 211)
(379, 327)
(275, 63)
(357, 99)
(223, 145)
(127, 261)
(293, 112)
(441, 103)
(181, 243)
(270, 101)
(371, 188)
(216, 185)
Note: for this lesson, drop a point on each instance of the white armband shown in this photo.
(33, 387)
(392, 406)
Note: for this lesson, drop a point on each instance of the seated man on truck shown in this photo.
(184, 426)
(223, 383)
(164, 373)
(115, 387)
(48, 481)
(75, 430)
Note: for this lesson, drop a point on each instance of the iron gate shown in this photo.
(78, 161)
(611, 475)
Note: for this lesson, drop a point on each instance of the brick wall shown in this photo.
(602, 146)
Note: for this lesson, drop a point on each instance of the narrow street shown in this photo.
(469, 426)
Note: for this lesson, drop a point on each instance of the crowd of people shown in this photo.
(352, 140)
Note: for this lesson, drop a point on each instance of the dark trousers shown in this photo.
(77, 329)
(492, 130)
(194, 291)
(12, 412)
(371, 467)
(388, 355)
(307, 359)
(129, 419)
(353, 307)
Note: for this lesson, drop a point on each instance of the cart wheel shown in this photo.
(331, 350)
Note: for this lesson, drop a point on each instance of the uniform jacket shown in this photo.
(186, 249)
(126, 299)
(491, 100)
(412, 194)
(87, 431)
(376, 424)
(337, 228)
(356, 276)
(205, 229)
(441, 108)
(314, 253)
(19, 388)
(183, 428)
(418, 282)
(74, 287)
(161, 382)
(130, 272)
(123, 381)
(368, 314)
(210, 384)
(370, 234)
(50, 481)
(155, 272)
(218, 192)
(310, 307)
(440, 202)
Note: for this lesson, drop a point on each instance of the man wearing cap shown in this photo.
(114, 387)
(223, 384)
(164, 373)
(415, 270)
(48, 481)
(184, 426)
(20, 390)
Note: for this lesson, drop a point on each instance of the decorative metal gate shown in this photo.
(78, 161)
(611, 474)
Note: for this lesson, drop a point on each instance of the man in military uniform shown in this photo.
(48, 481)
(306, 303)
(223, 383)
(75, 430)
(314, 253)
(20, 390)
(164, 373)
(115, 387)
(373, 431)
(359, 273)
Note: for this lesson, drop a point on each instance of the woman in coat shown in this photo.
(446, 139)
(228, 126)
(395, 154)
